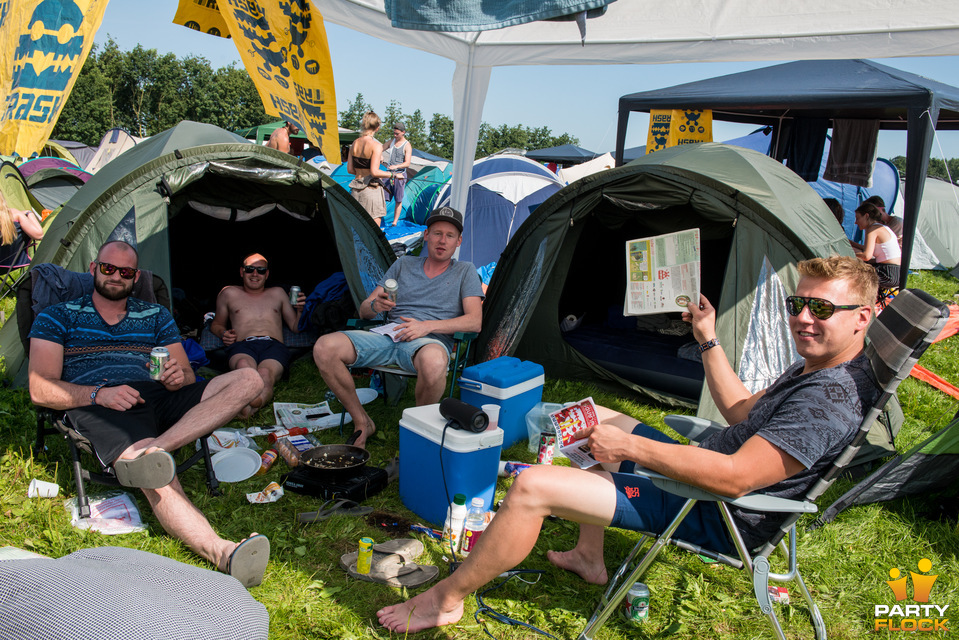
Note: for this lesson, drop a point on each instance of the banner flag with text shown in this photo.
(201, 15)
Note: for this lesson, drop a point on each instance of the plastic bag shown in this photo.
(537, 421)
(111, 513)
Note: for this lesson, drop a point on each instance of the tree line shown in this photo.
(947, 170)
(145, 93)
(436, 137)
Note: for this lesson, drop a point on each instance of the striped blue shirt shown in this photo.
(94, 351)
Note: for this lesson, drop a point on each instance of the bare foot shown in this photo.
(366, 431)
(573, 560)
(421, 612)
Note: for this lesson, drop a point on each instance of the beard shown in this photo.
(113, 293)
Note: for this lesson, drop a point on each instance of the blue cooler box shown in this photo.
(515, 385)
(470, 463)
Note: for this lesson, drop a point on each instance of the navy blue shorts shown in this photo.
(260, 350)
(641, 506)
(111, 432)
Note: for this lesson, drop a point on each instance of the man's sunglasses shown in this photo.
(107, 269)
(260, 270)
(822, 309)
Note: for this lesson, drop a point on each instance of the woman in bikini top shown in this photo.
(364, 149)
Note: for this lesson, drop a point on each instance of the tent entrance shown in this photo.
(657, 351)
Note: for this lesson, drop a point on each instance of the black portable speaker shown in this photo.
(462, 415)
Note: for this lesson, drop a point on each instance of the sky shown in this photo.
(580, 100)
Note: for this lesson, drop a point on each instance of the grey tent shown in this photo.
(757, 219)
(780, 95)
(564, 154)
(936, 245)
(195, 199)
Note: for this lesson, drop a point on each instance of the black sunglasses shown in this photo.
(107, 269)
(822, 309)
(259, 270)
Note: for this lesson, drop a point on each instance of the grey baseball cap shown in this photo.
(399, 124)
(446, 214)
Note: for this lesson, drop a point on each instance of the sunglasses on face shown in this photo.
(260, 270)
(107, 269)
(822, 309)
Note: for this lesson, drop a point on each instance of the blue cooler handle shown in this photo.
(470, 384)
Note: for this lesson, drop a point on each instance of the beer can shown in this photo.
(294, 294)
(158, 360)
(364, 561)
(390, 286)
(547, 441)
(637, 603)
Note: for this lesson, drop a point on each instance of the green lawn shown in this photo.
(308, 596)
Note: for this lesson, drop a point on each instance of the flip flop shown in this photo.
(248, 561)
(147, 471)
(341, 507)
(390, 569)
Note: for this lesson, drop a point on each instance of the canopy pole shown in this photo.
(470, 84)
(922, 130)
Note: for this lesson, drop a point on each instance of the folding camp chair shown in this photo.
(895, 341)
(14, 257)
(49, 284)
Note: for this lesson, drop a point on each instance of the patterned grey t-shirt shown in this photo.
(812, 417)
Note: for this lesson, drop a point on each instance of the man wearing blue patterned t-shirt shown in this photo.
(89, 357)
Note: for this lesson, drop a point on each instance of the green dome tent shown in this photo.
(195, 199)
(757, 219)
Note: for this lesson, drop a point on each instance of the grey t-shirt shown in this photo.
(439, 298)
(812, 417)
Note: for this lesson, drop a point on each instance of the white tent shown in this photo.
(655, 32)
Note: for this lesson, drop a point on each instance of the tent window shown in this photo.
(370, 271)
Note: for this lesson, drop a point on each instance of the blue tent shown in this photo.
(503, 190)
(421, 193)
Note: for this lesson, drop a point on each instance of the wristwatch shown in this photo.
(709, 344)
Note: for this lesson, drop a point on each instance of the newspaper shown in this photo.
(314, 417)
(390, 329)
(568, 422)
(662, 273)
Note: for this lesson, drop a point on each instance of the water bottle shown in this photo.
(474, 526)
(453, 527)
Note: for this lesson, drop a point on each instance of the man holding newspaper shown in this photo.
(781, 440)
(435, 297)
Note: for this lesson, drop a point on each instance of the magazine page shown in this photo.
(388, 329)
(662, 273)
(568, 422)
(291, 415)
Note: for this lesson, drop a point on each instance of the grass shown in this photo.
(308, 596)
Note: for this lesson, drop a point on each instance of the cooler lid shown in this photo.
(427, 422)
(503, 372)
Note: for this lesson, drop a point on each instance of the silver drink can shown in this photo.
(158, 360)
(390, 287)
(294, 294)
(637, 603)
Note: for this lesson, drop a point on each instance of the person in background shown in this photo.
(363, 162)
(836, 209)
(398, 153)
(893, 222)
(280, 139)
(14, 222)
(880, 248)
(255, 315)
(780, 441)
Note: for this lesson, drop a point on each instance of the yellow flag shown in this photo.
(43, 45)
(658, 136)
(283, 46)
(201, 15)
(688, 126)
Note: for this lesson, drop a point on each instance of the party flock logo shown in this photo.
(920, 616)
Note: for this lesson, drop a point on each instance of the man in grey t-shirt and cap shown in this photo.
(436, 296)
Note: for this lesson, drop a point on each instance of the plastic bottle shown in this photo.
(474, 525)
(453, 527)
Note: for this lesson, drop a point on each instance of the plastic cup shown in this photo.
(41, 489)
(491, 410)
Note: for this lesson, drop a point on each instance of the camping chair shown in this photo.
(895, 341)
(13, 257)
(395, 379)
(49, 284)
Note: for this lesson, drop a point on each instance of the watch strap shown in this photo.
(709, 344)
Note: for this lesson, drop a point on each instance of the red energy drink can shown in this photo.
(547, 442)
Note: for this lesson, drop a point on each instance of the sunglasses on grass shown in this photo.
(127, 273)
(260, 270)
(822, 309)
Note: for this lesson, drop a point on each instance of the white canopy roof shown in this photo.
(655, 32)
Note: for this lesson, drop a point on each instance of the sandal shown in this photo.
(248, 561)
(152, 470)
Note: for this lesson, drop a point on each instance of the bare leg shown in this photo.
(270, 371)
(432, 364)
(586, 558)
(568, 493)
(222, 399)
(333, 353)
(245, 361)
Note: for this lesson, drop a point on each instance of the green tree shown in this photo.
(87, 108)
(352, 117)
(393, 113)
(441, 136)
(416, 131)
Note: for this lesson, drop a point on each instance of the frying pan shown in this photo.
(337, 460)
